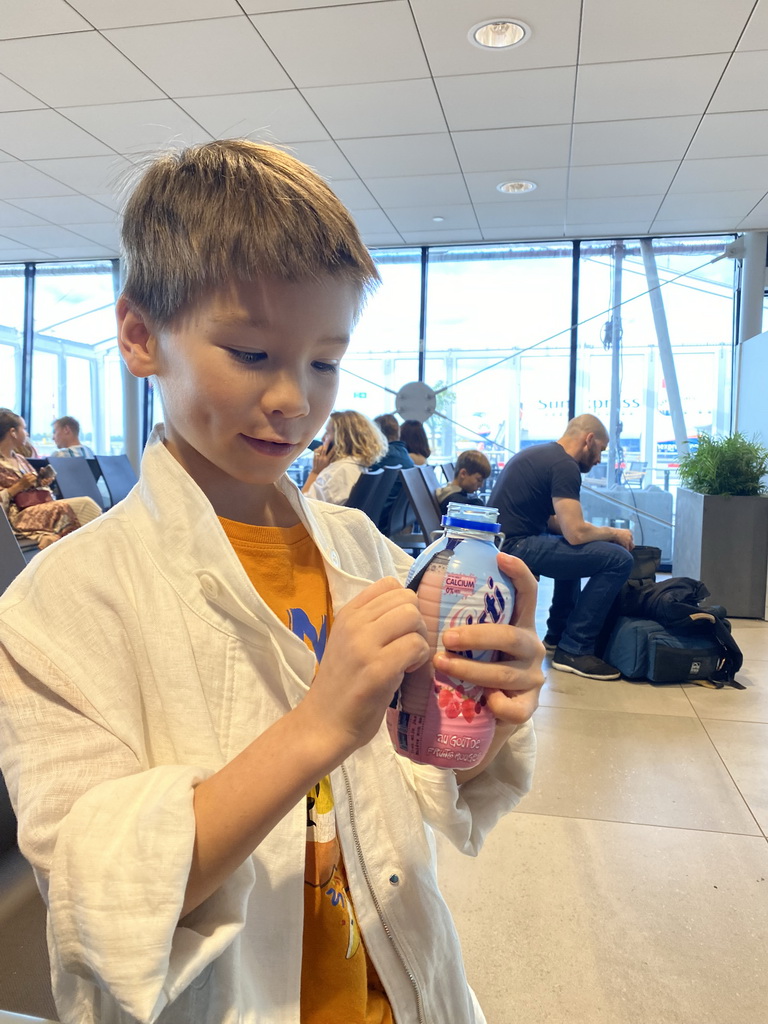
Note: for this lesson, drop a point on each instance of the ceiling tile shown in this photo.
(67, 209)
(6, 156)
(325, 157)
(738, 134)
(322, 46)
(550, 185)
(704, 226)
(421, 218)
(443, 237)
(492, 215)
(139, 127)
(613, 31)
(267, 6)
(508, 99)
(14, 253)
(39, 18)
(83, 251)
(14, 98)
(425, 188)
(756, 33)
(13, 217)
(628, 142)
(373, 222)
(444, 29)
(354, 195)
(107, 235)
(730, 174)
(43, 236)
(504, 148)
(531, 232)
(119, 14)
(181, 59)
(35, 134)
(733, 205)
(614, 229)
(18, 180)
(621, 180)
(390, 108)
(756, 218)
(113, 201)
(744, 85)
(647, 88)
(603, 211)
(382, 238)
(401, 155)
(65, 70)
(281, 116)
(88, 174)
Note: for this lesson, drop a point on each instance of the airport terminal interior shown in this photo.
(567, 202)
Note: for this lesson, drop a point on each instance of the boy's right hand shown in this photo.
(376, 637)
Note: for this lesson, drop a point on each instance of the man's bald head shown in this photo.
(585, 424)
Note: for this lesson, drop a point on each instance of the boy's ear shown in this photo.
(136, 340)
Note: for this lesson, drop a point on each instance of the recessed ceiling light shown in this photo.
(499, 34)
(438, 220)
(516, 188)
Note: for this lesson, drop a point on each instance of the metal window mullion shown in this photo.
(27, 342)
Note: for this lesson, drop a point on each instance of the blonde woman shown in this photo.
(352, 443)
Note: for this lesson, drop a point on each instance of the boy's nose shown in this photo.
(287, 396)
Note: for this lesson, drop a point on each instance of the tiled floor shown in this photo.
(631, 885)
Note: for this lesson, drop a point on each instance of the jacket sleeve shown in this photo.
(110, 841)
(465, 814)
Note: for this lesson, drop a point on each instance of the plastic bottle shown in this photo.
(434, 718)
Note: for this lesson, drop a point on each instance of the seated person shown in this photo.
(66, 437)
(538, 498)
(414, 437)
(472, 470)
(25, 494)
(352, 443)
(397, 455)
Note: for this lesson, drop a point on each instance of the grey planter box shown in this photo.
(723, 541)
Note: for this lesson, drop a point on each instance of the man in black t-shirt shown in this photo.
(537, 495)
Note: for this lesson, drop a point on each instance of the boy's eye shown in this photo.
(247, 358)
(326, 367)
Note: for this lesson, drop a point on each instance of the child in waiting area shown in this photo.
(471, 471)
(210, 801)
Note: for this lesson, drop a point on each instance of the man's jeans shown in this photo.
(576, 615)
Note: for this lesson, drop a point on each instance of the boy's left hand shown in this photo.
(515, 679)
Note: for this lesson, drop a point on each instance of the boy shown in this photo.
(160, 758)
(470, 473)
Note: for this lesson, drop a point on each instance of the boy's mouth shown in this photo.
(278, 449)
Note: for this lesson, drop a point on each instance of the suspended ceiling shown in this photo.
(631, 118)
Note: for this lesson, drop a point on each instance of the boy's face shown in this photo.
(470, 482)
(248, 379)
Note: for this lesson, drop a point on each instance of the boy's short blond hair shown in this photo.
(473, 462)
(201, 217)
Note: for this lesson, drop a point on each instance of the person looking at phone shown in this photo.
(352, 443)
(26, 496)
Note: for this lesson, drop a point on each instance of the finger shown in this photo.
(526, 589)
(513, 707)
(514, 641)
(370, 593)
(498, 675)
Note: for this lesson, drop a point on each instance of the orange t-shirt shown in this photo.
(338, 981)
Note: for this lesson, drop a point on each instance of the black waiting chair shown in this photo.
(424, 509)
(74, 479)
(370, 492)
(449, 471)
(12, 558)
(431, 482)
(118, 474)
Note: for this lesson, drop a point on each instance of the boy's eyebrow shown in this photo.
(243, 320)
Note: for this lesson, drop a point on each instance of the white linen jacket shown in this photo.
(334, 484)
(136, 659)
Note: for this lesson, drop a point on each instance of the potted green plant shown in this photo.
(721, 521)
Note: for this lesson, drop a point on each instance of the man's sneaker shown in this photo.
(587, 665)
(550, 642)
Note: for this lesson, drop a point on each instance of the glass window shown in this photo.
(384, 351)
(76, 368)
(11, 335)
(498, 346)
